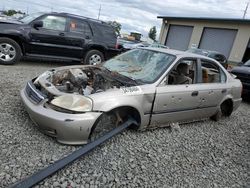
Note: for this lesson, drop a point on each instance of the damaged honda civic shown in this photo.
(154, 86)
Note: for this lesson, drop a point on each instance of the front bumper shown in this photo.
(67, 128)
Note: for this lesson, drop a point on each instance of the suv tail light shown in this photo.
(116, 45)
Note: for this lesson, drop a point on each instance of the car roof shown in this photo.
(177, 53)
(78, 17)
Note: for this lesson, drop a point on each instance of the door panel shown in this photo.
(51, 39)
(212, 87)
(175, 103)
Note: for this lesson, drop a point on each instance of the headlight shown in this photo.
(76, 103)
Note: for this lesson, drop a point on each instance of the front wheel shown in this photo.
(94, 57)
(10, 51)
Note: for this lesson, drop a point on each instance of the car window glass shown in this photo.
(211, 72)
(79, 27)
(183, 73)
(142, 65)
(54, 23)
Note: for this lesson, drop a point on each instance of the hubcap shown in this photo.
(7, 52)
(95, 59)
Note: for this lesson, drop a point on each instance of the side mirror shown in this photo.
(37, 24)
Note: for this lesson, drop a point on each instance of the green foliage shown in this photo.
(116, 25)
(152, 33)
(12, 12)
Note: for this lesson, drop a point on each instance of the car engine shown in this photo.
(83, 81)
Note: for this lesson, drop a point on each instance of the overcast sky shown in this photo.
(134, 15)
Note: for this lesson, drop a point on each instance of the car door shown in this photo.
(176, 102)
(211, 85)
(50, 39)
(78, 36)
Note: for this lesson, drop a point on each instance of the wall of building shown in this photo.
(240, 42)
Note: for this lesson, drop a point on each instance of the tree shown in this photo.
(152, 33)
(12, 12)
(116, 25)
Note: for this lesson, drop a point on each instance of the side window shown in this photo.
(54, 23)
(78, 26)
(185, 72)
(211, 72)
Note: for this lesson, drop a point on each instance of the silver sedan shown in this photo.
(155, 86)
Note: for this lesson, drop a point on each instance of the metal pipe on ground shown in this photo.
(58, 165)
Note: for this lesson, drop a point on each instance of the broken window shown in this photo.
(211, 72)
(183, 73)
(142, 65)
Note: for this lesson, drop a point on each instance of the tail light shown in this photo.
(116, 45)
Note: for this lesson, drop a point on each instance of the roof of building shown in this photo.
(239, 20)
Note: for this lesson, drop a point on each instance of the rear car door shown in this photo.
(50, 39)
(177, 102)
(78, 36)
(211, 84)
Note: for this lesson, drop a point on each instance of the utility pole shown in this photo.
(99, 11)
(245, 11)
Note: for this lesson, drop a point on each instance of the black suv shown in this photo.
(57, 35)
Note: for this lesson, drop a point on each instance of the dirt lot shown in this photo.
(202, 154)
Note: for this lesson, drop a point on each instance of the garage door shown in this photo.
(178, 37)
(220, 40)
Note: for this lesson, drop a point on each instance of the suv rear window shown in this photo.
(106, 30)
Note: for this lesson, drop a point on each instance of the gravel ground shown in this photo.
(202, 154)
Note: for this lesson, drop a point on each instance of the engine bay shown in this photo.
(84, 81)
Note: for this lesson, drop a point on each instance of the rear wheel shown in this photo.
(10, 51)
(226, 109)
(94, 57)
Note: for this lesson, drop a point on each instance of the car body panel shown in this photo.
(70, 129)
(157, 103)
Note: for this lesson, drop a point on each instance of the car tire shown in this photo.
(104, 124)
(226, 109)
(10, 51)
(93, 57)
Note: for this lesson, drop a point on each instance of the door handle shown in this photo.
(61, 34)
(194, 93)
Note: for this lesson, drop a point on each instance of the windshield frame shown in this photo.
(139, 81)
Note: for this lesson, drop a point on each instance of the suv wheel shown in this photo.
(94, 57)
(10, 51)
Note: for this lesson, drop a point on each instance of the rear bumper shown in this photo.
(66, 128)
(236, 103)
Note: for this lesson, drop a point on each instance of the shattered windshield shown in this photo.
(141, 65)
